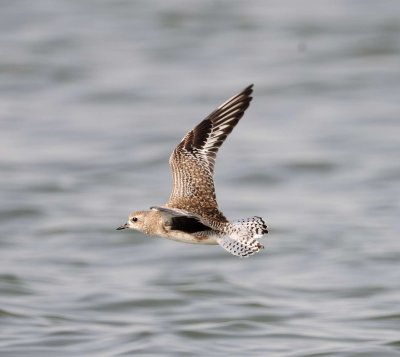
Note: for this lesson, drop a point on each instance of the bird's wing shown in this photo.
(174, 212)
(182, 220)
(192, 162)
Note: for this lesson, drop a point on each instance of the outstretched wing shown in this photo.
(192, 162)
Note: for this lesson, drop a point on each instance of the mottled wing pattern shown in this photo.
(192, 162)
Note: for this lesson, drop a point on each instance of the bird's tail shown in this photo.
(239, 237)
(255, 226)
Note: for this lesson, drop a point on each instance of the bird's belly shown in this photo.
(192, 238)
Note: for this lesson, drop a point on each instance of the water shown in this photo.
(94, 95)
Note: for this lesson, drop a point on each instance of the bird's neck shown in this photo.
(153, 223)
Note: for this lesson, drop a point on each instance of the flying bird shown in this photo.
(191, 214)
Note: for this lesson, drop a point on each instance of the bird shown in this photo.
(191, 214)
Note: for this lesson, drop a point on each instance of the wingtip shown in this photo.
(248, 91)
(249, 88)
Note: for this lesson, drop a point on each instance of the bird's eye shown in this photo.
(134, 219)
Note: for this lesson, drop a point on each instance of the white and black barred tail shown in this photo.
(255, 226)
(241, 246)
(240, 236)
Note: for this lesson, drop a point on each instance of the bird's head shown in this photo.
(135, 221)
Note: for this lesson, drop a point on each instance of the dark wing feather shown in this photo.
(208, 136)
(188, 225)
(192, 162)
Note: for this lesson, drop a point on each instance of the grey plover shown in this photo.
(191, 214)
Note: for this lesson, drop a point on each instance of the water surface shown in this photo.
(94, 96)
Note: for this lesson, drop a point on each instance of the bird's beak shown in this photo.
(122, 227)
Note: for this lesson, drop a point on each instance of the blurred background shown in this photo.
(94, 96)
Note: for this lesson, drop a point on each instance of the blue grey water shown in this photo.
(94, 95)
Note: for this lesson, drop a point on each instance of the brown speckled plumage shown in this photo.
(191, 214)
(192, 162)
